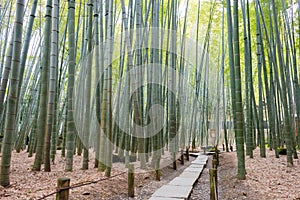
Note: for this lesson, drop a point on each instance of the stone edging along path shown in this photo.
(182, 186)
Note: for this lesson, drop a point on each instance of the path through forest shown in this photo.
(267, 178)
(26, 184)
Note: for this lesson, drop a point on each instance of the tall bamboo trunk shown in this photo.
(10, 122)
(238, 95)
(42, 118)
(52, 84)
(88, 87)
(71, 130)
(106, 118)
(260, 86)
(283, 92)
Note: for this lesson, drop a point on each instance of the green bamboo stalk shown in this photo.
(179, 119)
(6, 72)
(231, 56)
(88, 87)
(269, 92)
(223, 80)
(289, 62)
(71, 130)
(295, 78)
(238, 95)
(157, 89)
(106, 125)
(42, 118)
(5, 43)
(250, 80)
(193, 118)
(10, 122)
(248, 130)
(54, 132)
(284, 99)
(102, 142)
(26, 43)
(138, 117)
(296, 83)
(64, 132)
(33, 134)
(52, 85)
(260, 92)
(97, 74)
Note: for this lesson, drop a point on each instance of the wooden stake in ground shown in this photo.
(213, 184)
(130, 180)
(63, 183)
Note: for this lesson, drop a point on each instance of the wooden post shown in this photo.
(214, 163)
(213, 184)
(216, 183)
(187, 154)
(217, 155)
(182, 157)
(157, 175)
(157, 170)
(174, 161)
(63, 183)
(130, 180)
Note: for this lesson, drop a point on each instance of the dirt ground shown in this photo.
(267, 179)
(26, 184)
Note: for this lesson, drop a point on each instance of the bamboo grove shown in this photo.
(146, 80)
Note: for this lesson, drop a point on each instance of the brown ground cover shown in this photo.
(267, 178)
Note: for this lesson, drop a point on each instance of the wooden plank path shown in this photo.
(180, 188)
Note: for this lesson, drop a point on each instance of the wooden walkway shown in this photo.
(182, 186)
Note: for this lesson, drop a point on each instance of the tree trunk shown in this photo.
(238, 95)
(10, 122)
(71, 130)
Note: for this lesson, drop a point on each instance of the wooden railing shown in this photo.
(213, 176)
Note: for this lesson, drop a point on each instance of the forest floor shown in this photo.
(267, 178)
(28, 184)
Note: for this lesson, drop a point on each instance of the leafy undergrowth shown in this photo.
(267, 178)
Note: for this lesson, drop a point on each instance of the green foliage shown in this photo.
(282, 151)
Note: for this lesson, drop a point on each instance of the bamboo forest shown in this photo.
(149, 99)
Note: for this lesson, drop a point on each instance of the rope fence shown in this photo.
(81, 184)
